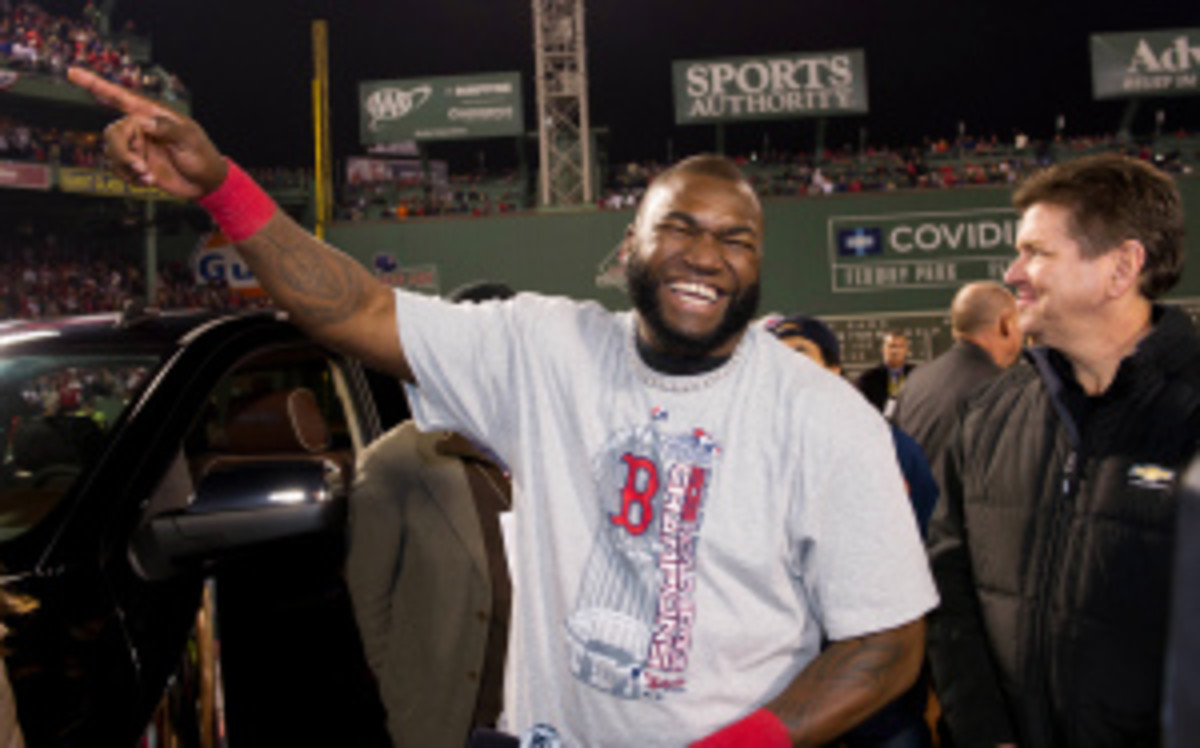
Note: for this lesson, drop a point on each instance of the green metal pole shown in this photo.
(151, 251)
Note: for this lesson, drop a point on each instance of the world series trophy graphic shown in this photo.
(630, 633)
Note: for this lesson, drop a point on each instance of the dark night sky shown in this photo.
(995, 65)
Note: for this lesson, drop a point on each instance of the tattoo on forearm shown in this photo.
(848, 670)
(859, 663)
(318, 287)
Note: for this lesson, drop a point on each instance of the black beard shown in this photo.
(643, 292)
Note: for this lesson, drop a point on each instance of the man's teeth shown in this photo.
(708, 293)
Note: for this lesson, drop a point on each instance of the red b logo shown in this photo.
(631, 496)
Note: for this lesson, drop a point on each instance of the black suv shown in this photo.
(172, 498)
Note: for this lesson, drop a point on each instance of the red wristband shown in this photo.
(761, 729)
(239, 206)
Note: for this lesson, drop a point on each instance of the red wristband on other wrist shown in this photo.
(239, 206)
(761, 729)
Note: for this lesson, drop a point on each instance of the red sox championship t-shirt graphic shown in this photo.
(630, 633)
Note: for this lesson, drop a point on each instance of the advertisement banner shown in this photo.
(1146, 63)
(783, 86)
(454, 107)
(920, 250)
(366, 170)
(422, 278)
(216, 262)
(398, 148)
(24, 176)
(88, 181)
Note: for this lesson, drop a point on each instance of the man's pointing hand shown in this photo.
(153, 144)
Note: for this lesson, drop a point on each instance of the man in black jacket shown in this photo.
(881, 383)
(1052, 545)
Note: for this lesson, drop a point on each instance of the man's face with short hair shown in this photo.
(895, 350)
(1058, 289)
(693, 271)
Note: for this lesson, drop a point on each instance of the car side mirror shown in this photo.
(240, 508)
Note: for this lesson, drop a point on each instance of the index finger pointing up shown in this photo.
(113, 95)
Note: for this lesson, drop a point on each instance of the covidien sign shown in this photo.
(920, 250)
(986, 234)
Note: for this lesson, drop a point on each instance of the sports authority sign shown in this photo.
(1146, 63)
(920, 250)
(446, 108)
(785, 86)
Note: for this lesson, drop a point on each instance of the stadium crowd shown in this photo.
(34, 40)
(474, 195)
(20, 141)
(59, 279)
(936, 164)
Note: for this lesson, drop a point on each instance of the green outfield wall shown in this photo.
(842, 254)
(864, 262)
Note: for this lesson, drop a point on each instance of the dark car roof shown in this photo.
(150, 329)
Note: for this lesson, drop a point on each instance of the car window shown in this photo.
(279, 404)
(247, 412)
(55, 412)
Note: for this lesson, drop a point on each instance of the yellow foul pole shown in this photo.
(323, 162)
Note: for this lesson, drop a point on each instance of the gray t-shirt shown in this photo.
(682, 542)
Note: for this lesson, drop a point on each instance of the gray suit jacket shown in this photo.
(10, 731)
(417, 570)
(928, 402)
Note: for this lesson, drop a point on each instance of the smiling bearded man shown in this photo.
(643, 291)
(695, 251)
(655, 511)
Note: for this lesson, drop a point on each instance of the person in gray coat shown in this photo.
(983, 319)
(10, 728)
(428, 579)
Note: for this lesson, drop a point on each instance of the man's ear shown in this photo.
(1007, 324)
(628, 245)
(1129, 259)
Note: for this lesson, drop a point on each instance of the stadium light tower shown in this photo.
(564, 135)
